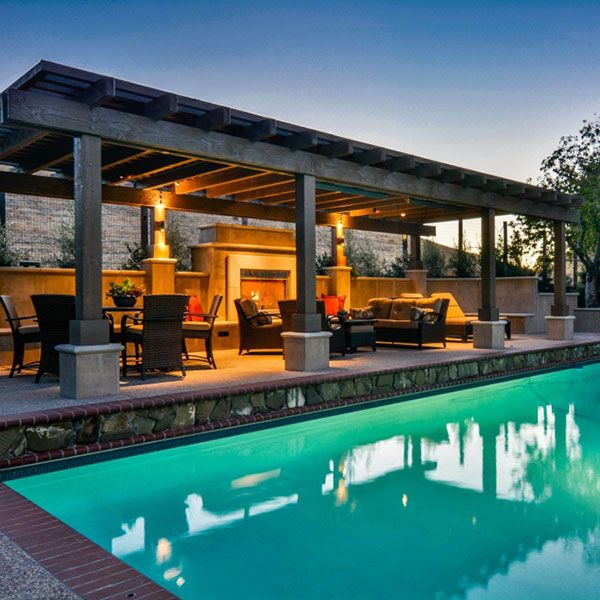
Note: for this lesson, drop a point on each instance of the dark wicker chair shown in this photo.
(21, 334)
(337, 341)
(158, 332)
(255, 335)
(202, 330)
(54, 312)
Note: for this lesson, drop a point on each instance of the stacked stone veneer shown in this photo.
(33, 225)
(60, 433)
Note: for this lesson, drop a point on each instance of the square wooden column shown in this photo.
(89, 328)
(415, 263)
(488, 310)
(560, 307)
(306, 320)
(306, 347)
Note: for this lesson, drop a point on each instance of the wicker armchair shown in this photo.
(21, 334)
(337, 341)
(54, 313)
(159, 333)
(202, 330)
(254, 334)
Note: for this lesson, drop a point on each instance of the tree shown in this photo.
(323, 261)
(7, 257)
(136, 255)
(65, 240)
(538, 233)
(574, 168)
(514, 265)
(463, 262)
(433, 259)
(363, 259)
(397, 268)
(179, 248)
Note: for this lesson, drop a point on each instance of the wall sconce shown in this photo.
(339, 231)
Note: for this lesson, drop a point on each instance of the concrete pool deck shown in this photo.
(21, 395)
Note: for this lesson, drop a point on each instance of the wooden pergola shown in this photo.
(100, 139)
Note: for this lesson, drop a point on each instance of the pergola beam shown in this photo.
(54, 187)
(19, 140)
(227, 174)
(27, 109)
(255, 182)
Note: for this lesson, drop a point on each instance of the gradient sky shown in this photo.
(487, 85)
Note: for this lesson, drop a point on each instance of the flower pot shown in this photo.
(124, 301)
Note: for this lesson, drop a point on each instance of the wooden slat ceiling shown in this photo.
(29, 152)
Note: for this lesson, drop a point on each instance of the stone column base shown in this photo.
(306, 351)
(89, 371)
(560, 328)
(489, 334)
(419, 279)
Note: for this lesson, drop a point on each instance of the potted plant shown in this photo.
(124, 294)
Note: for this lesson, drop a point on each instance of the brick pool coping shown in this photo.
(230, 407)
(77, 562)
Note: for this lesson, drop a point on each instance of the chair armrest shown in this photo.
(124, 318)
(34, 317)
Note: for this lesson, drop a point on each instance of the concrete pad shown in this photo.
(89, 371)
(306, 351)
(489, 334)
(560, 328)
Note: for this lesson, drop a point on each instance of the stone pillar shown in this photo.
(419, 279)
(160, 275)
(560, 324)
(488, 331)
(89, 364)
(340, 283)
(306, 347)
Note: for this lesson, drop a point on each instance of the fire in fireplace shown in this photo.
(264, 287)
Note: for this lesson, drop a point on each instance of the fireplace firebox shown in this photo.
(265, 287)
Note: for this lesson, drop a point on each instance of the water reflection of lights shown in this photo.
(132, 540)
(404, 500)
(164, 550)
(254, 479)
(172, 573)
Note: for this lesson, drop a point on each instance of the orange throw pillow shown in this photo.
(194, 307)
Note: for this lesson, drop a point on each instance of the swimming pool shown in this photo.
(491, 491)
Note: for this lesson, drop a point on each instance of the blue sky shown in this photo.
(487, 85)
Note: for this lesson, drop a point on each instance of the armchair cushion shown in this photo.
(248, 307)
(25, 329)
(196, 326)
(417, 314)
(430, 318)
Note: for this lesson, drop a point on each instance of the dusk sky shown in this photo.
(487, 85)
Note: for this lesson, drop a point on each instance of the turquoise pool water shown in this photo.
(489, 492)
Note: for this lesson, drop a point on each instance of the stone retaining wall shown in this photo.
(60, 433)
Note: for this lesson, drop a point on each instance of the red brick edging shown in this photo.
(73, 559)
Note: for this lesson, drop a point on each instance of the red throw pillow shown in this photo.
(194, 307)
(342, 301)
(331, 304)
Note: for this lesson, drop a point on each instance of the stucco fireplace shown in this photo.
(242, 260)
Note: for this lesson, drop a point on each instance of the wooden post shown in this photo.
(488, 310)
(461, 235)
(333, 231)
(505, 246)
(560, 307)
(415, 253)
(89, 328)
(2, 208)
(147, 228)
(306, 320)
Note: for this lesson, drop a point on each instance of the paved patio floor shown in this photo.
(21, 394)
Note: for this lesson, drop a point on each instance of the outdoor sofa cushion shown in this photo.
(396, 324)
(429, 304)
(381, 307)
(362, 313)
(401, 309)
(25, 329)
(411, 295)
